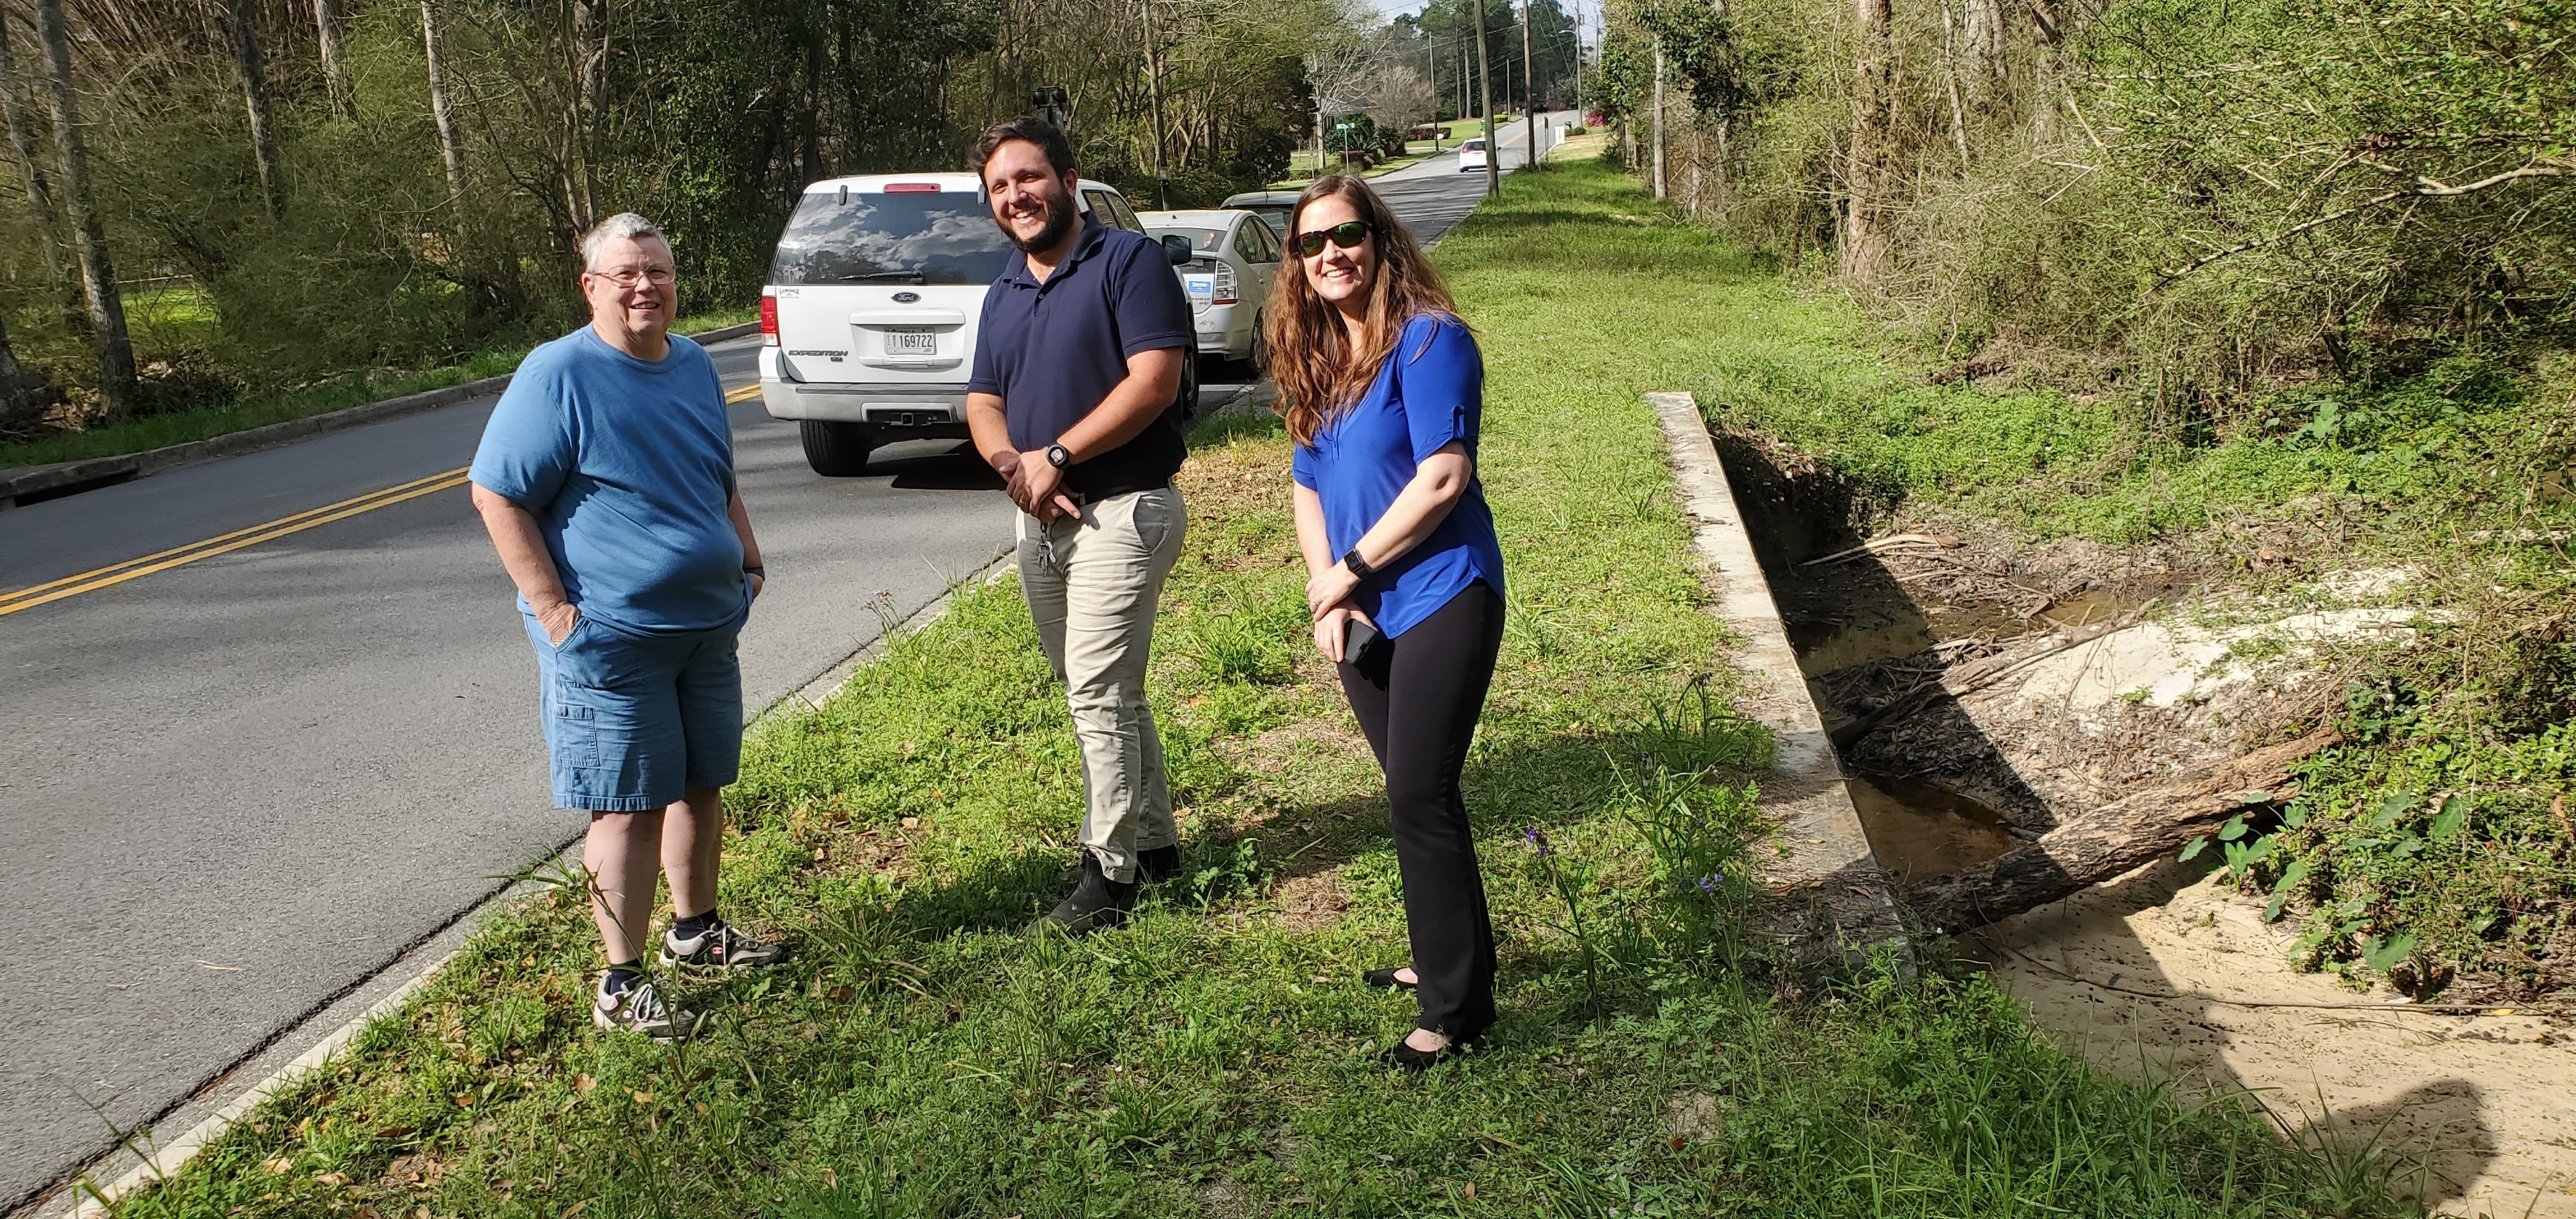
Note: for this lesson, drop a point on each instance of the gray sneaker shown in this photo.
(639, 1009)
(720, 949)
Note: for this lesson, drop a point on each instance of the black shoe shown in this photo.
(1097, 902)
(1159, 865)
(1403, 1057)
(1381, 979)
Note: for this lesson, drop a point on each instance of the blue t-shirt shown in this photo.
(628, 467)
(1430, 392)
(1052, 351)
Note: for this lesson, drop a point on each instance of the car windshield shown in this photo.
(1474, 146)
(1198, 237)
(943, 238)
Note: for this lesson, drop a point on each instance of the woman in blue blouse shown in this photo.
(1383, 390)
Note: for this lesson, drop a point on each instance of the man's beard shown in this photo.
(1060, 219)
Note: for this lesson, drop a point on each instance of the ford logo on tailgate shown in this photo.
(906, 298)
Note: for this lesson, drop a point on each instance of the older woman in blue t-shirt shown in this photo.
(1383, 390)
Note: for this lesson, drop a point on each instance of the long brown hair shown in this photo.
(1318, 372)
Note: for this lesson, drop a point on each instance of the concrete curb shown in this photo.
(34, 483)
(144, 1161)
(1835, 901)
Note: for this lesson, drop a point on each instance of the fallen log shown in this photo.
(2111, 840)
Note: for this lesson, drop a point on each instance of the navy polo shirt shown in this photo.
(1052, 351)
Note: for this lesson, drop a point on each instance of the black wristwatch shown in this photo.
(1059, 456)
(1359, 566)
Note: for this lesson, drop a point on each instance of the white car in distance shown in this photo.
(1471, 155)
(868, 320)
(1233, 257)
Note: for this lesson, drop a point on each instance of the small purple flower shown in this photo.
(1538, 840)
(1708, 884)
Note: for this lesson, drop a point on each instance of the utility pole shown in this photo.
(1154, 90)
(1485, 86)
(1529, 85)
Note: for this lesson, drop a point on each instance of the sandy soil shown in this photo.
(2486, 1101)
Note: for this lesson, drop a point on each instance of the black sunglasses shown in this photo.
(1346, 234)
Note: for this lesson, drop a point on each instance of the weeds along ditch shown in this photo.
(920, 1056)
(2430, 850)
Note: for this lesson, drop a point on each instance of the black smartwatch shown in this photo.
(1359, 566)
(1059, 456)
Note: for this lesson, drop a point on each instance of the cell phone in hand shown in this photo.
(1360, 641)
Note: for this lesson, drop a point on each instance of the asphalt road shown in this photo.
(241, 784)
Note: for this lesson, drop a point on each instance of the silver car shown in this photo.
(1270, 205)
(1233, 257)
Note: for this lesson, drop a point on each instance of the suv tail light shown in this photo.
(1225, 285)
(768, 318)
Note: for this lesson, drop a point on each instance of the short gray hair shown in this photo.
(624, 226)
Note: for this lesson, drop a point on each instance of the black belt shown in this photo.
(1114, 490)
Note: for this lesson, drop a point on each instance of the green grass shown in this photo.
(920, 1056)
(170, 313)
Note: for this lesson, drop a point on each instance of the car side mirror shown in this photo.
(1177, 249)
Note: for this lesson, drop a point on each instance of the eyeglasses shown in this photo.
(1346, 234)
(659, 277)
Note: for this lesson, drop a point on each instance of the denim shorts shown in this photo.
(631, 719)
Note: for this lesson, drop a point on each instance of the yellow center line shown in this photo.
(118, 573)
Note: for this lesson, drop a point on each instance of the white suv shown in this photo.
(868, 321)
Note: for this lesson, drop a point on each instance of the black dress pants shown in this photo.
(1418, 700)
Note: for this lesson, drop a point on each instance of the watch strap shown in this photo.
(1359, 566)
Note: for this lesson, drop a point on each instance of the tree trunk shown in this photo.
(590, 105)
(254, 84)
(448, 150)
(31, 172)
(2113, 839)
(23, 398)
(98, 273)
(329, 23)
(1873, 122)
(1983, 27)
(1657, 149)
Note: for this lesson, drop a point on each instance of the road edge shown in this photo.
(382, 993)
(1834, 902)
(72, 477)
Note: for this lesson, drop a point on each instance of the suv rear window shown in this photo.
(944, 238)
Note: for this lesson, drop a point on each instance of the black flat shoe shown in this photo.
(1381, 979)
(1403, 1057)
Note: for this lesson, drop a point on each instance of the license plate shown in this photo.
(912, 341)
(1202, 287)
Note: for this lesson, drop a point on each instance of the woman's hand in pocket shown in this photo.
(1333, 629)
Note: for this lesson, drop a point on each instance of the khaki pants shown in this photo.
(1093, 585)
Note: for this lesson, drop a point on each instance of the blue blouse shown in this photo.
(1430, 392)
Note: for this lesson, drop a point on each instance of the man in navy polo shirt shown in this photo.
(1074, 400)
